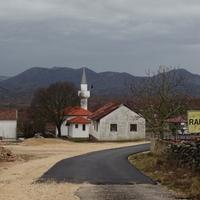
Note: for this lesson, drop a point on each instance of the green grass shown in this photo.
(185, 182)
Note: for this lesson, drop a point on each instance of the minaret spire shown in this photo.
(84, 93)
(84, 79)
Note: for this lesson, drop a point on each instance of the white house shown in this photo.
(78, 127)
(8, 124)
(76, 124)
(117, 122)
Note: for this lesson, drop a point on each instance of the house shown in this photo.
(177, 120)
(112, 122)
(117, 122)
(177, 123)
(8, 124)
(76, 123)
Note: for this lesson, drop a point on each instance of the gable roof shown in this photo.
(76, 111)
(8, 114)
(79, 120)
(178, 119)
(105, 110)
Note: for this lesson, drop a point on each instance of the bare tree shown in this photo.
(159, 97)
(49, 104)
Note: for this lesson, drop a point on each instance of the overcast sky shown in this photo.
(104, 35)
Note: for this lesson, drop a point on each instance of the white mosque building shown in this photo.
(112, 122)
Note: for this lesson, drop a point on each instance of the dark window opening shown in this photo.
(76, 125)
(84, 127)
(133, 127)
(113, 127)
(67, 124)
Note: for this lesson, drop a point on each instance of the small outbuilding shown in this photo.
(8, 124)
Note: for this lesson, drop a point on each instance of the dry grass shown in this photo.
(185, 182)
(43, 141)
(38, 155)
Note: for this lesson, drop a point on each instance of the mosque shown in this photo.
(112, 122)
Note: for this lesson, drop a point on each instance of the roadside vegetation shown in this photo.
(175, 164)
(162, 96)
(170, 170)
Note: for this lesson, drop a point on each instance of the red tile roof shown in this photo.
(105, 110)
(79, 120)
(8, 114)
(76, 111)
(178, 119)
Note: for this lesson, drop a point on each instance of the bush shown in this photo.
(194, 188)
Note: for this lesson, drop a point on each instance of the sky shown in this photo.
(131, 36)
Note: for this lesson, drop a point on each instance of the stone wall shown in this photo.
(184, 154)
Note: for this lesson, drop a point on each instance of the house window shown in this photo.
(76, 125)
(133, 127)
(84, 127)
(113, 127)
(67, 124)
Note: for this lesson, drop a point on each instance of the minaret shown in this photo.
(84, 93)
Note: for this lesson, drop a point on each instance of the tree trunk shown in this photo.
(59, 131)
(161, 131)
(161, 135)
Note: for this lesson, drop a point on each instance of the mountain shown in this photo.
(105, 83)
(2, 78)
(192, 82)
(24, 84)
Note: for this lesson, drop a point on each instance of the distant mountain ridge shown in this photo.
(105, 83)
(2, 78)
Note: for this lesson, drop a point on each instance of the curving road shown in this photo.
(102, 167)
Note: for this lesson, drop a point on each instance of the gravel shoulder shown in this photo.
(124, 192)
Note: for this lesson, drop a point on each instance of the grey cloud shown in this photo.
(119, 35)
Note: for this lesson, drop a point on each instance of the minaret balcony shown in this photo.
(84, 94)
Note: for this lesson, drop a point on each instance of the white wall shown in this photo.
(123, 117)
(73, 132)
(78, 132)
(64, 130)
(8, 129)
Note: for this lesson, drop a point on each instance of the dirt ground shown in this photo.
(36, 156)
(125, 192)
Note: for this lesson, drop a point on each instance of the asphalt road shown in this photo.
(102, 167)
